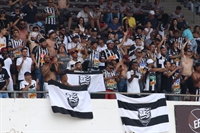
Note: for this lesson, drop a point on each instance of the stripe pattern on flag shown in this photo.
(72, 100)
(144, 115)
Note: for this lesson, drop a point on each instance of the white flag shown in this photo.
(94, 80)
(144, 115)
(73, 100)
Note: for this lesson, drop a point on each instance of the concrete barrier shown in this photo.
(36, 116)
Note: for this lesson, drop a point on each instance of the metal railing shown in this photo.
(127, 93)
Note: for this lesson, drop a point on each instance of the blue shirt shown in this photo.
(114, 26)
(187, 33)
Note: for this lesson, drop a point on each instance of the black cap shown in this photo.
(138, 1)
(137, 37)
(83, 35)
(112, 32)
(93, 42)
(2, 11)
(27, 73)
(17, 5)
(94, 29)
(42, 40)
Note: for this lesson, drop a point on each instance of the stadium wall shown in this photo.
(35, 116)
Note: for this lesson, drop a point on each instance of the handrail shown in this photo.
(127, 93)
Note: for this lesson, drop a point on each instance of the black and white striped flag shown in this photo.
(72, 100)
(144, 115)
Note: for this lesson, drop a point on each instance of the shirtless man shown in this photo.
(196, 80)
(48, 71)
(63, 6)
(187, 64)
(122, 85)
(51, 45)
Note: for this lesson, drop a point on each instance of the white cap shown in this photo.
(149, 61)
(34, 34)
(152, 12)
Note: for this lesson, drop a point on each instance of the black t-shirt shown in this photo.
(166, 83)
(30, 13)
(3, 77)
(14, 16)
(4, 23)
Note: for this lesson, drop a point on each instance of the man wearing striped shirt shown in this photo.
(49, 14)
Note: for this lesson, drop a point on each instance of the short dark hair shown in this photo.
(109, 64)
(166, 62)
(24, 48)
(178, 8)
(85, 6)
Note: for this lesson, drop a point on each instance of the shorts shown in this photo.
(188, 85)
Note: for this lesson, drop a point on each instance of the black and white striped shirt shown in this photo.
(39, 54)
(12, 43)
(50, 19)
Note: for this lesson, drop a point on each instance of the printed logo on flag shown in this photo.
(84, 80)
(144, 115)
(194, 120)
(72, 99)
(187, 121)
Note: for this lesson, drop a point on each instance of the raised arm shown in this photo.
(183, 47)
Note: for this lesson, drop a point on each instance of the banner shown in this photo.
(72, 100)
(94, 80)
(187, 118)
(144, 115)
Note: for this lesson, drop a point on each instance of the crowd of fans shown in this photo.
(136, 51)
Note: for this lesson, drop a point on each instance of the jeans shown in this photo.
(108, 18)
(38, 75)
(168, 97)
(122, 85)
(4, 95)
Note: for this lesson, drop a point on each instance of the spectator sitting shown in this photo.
(115, 26)
(131, 20)
(30, 85)
(85, 14)
(179, 16)
(137, 11)
(95, 17)
(72, 62)
(152, 19)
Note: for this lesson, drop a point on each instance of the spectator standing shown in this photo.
(49, 71)
(137, 11)
(196, 81)
(4, 80)
(101, 46)
(31, 12)
(158, 9)
(30, 85)
(187, 64)
(51, 45)
(14, 14)
(24, 64)
(12, 4)
(3, 41)
(37, 56)
(49, 14)
(110, 80)
(94, 57)
(65, 14)
(134, 78)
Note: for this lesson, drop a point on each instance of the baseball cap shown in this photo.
(51, 32)
(93, 42)
(2, 11)
(137, 37)
(149, 61)
(39, 24)
(94, 29)
(17, 5)
(27, 73)
(109, 41)
(42, 40)
(75, 36)
(112, 32)
(128, 11)
(152, 12)
(83, 35)
(34, 34)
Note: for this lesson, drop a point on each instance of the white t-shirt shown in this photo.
(7, 63)
(72, 63)
(31, 89)
(128, 42)
(26, 67)
(84, 15)
(149, 32)
(133, 86)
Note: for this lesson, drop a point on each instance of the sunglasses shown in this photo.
(139, 52)
(189, 51)
(83, 38)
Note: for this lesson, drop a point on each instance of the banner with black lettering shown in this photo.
(72, 100)
(144, 115)
(94, 80)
